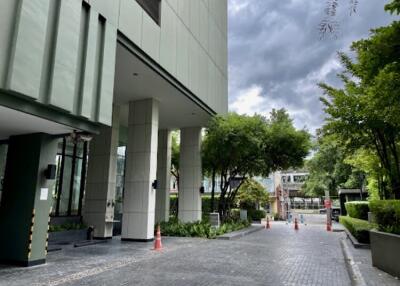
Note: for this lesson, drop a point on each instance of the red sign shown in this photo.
(328, 204)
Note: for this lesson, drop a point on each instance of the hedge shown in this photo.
(256, 214)
(387, 215)
(358, 228)
(199, 228)
(206, 208)
(358, 209)
(205, 204)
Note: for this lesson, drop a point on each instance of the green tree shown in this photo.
(175, 156)
(368, 162)
(175, 151)
(251, 195)
(328, 170)
(393, 7)
(366, 112)
(237, 147)
(329, 22)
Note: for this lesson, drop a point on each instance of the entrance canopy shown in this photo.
(135, 80)
(13, 122)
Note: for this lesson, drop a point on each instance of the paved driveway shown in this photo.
(279, 256)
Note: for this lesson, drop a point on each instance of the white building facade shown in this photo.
(98, 69)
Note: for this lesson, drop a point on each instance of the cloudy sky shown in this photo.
(276, 56)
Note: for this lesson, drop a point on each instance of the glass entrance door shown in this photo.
(3, 158)
(71, 164)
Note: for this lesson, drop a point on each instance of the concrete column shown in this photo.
(190, 175)
(101, 179)
(25, 205)
(140, 173)
(163, 175)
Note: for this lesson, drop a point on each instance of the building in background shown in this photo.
(89, 91)
(288, 195)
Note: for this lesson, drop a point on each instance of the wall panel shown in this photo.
(54, 53)
(7, 22)
(151, 37)
(24, 75)
(168, 41)
(107, 75)
(88, 89)
(62, 91)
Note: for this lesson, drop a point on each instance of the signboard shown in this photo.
(43, 194)
(243, 214)
(214, 219)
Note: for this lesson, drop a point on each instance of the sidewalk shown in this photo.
(371, 275)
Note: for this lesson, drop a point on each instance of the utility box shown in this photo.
(214, 220)
(243, 214)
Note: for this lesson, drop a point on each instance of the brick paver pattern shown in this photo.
(279, 256)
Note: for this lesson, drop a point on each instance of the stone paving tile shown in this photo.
(279, 256)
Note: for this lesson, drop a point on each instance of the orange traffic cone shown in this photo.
(296, 225)
(157, 242)
(267, 225)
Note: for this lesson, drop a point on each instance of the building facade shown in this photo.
(86, 83)
(287, 192)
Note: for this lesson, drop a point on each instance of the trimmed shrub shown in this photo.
(358, 209)
(387, 215)
(358, 228)
(66, 226)
(205, 204)
(235, 214)
(199, 229)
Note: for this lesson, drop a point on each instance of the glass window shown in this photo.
(152, 7)
(120, 180)
(299, 178)
(76, 188)
(66, 183)
(67, 192)
(55, 186)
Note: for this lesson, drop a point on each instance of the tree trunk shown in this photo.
(212, 190)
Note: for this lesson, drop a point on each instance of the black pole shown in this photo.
(61, 178)
(83, 177)
(71, 185)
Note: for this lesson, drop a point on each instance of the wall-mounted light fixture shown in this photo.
(50, 172)
(154, 184)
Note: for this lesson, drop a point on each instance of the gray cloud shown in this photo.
(275, 45)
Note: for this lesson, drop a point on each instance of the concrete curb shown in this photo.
(355, 242)
(352, 268)
(240, 233)
(88, 242)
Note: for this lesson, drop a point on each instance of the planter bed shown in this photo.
(67, 236)
(385, 251)
(355, 242)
